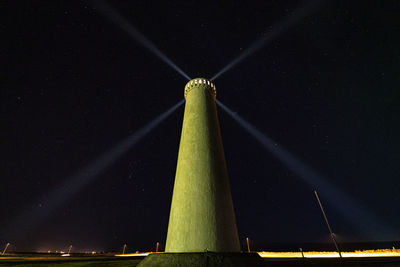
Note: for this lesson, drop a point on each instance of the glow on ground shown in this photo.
(333, 254)
(309, 254)
(134, 254)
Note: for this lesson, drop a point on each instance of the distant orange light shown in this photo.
(133, 254)
(330, 254)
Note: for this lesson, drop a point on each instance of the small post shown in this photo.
(327, 223)
(5, 249)
(123, 250)
(69, 249)
(157, 245)
(302, 253)
(248, 244)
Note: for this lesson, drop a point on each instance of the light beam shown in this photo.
(32, 216)
(277, 29)
(113, 15)
(358, 216)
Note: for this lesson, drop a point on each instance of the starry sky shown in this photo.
(326, 89)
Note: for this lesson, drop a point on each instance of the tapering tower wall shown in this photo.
(202, 216)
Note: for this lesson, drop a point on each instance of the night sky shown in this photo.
(75, 84)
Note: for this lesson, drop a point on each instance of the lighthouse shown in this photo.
(202, 227)
(202, 215)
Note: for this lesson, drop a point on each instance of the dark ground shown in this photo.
(116, 261)
(395, 261)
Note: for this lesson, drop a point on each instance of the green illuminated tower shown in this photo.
(202, 227)
(202, 216)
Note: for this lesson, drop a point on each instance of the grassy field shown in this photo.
(47, 261)
(346, 262)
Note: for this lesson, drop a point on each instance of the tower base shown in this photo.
(203, 259)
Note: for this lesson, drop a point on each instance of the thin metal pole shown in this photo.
(123, 250)
(327, 223)
(248, 244)
(69, 249)
(4, 251)
(158, 244)
(302, 253)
